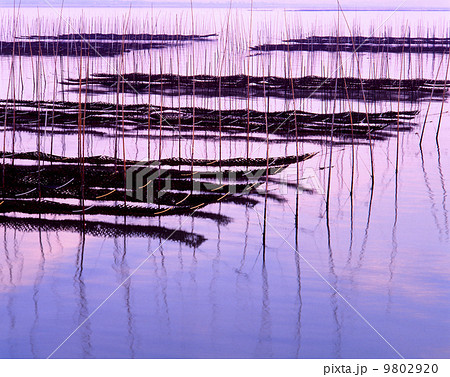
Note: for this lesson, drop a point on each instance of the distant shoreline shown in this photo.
(255, 9)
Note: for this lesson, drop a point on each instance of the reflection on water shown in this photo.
(264, 346)
(80, 291)
(236, 280)
(221, 299)
(444, 192)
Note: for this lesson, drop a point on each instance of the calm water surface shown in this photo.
(370, 280)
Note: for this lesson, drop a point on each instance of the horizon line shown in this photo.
(168, 6)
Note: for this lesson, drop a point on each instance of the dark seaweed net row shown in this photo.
(241, 86)
(361, 44)
(109, 120)
(126, 37)
(55, 185)
(94, 45)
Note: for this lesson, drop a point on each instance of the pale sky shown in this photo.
(291, 4)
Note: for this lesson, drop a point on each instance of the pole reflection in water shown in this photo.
(298, 334)
(83, 305)
(264, 345)
(444, 192)
(36, 290)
